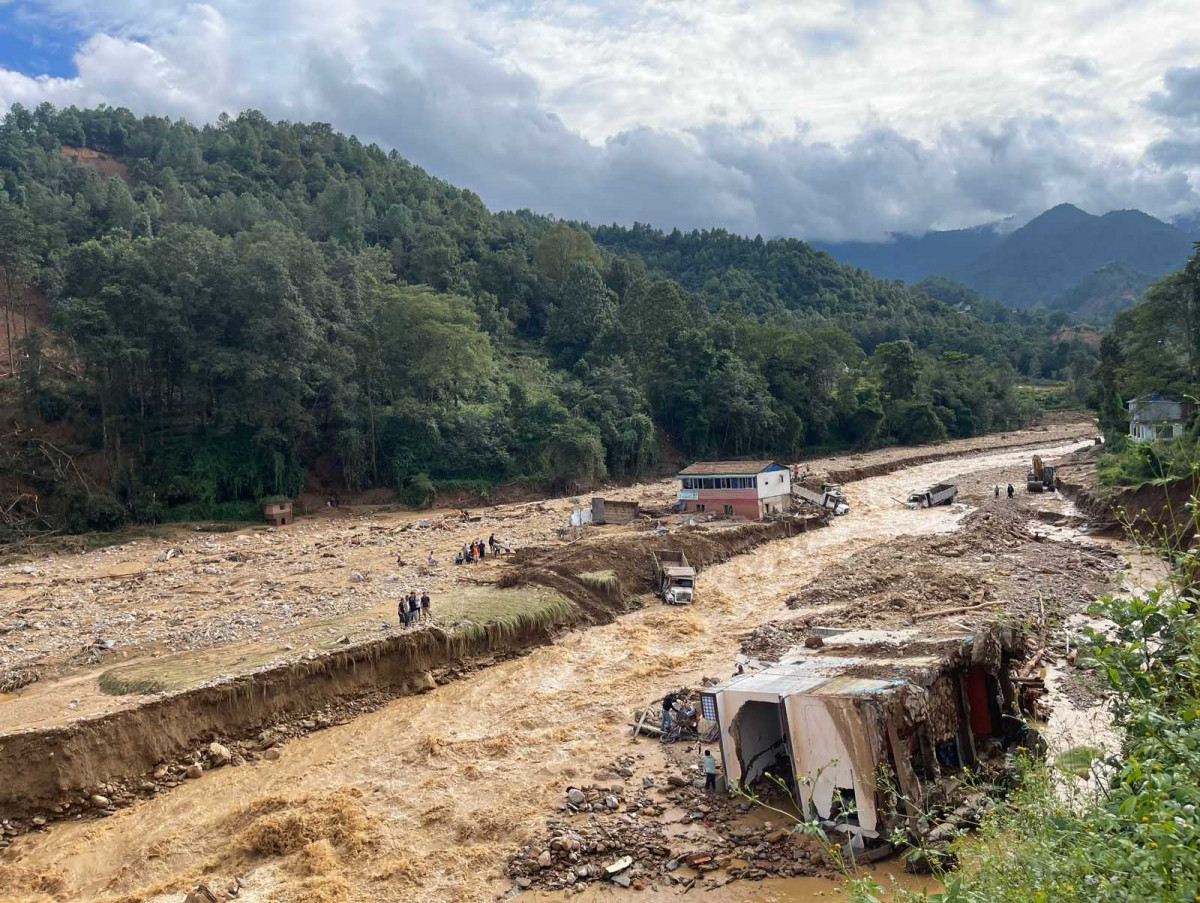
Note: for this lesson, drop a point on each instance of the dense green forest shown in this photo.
(253, 307)
(1154, 346)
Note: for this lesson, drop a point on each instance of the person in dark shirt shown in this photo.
(667, 704)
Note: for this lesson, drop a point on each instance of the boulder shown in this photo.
(194, 770)
(219, 754)
(100, 802)
(272, 754)
(201, 893)
(545, 860)
(576, 797)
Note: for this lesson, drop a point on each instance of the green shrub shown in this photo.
(418, 491)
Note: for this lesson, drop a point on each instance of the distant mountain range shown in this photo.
(1065, 259)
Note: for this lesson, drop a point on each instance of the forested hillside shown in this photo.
(196, 318)
(1153, 347)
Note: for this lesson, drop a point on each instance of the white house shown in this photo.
(750, 489)
(1158, 417)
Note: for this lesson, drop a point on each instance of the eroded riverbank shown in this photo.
(443, 785)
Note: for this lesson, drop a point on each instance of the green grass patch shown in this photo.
(469, 610)
(1136, 464)
(602, 581)
(472, 608)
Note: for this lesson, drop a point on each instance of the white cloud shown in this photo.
(819, 119)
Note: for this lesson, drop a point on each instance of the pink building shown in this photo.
(747, 489)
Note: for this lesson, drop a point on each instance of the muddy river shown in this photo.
(452, 781)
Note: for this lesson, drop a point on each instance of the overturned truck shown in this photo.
(828, 722)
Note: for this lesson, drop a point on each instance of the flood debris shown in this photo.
(663, 832)
(827, 723)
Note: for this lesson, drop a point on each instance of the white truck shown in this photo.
(941, 494)
(830, 497)
(674, 578)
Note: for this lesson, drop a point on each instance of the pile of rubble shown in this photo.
(616, 834)
(994, 565)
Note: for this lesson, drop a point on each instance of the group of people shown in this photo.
(478, 550)
(413, 608)
(1011, 491)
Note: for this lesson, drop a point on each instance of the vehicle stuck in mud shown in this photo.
(939, 494)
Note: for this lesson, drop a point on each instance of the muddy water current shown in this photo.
(453, 780)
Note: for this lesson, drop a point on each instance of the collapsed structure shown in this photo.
(826, 722)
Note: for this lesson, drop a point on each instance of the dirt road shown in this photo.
(424, 798)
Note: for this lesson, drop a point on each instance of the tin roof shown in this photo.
(726, 468)
(843, 667)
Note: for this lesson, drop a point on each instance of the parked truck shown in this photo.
(674, 578)
(830, 496)
(941, 494)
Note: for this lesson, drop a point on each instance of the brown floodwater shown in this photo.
(454, 780)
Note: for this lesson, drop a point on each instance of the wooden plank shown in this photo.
(909, 785)
(965, 735)
(920, 616)
(927, 753)
(638, 729)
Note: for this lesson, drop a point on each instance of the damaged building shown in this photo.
(828, 721)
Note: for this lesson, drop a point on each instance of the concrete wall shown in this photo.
(715, 500)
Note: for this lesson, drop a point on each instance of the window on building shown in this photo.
(700, 509)
(729, 510)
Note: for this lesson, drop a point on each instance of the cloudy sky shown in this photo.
(812, 118)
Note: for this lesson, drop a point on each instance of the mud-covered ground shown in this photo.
(429, 797)
(336, 574)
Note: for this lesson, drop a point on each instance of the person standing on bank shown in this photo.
(710, 772)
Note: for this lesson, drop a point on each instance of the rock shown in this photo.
(160, 772)
(99, 802)
(611, 802)
(343, 640)
(677, 780)
(219, 754)
(813, 642)
(987, 556)
(272, 754)
(211, 571)
(776, 836)
(576, 797)
(202, 894)
(545, 860)
(619, 866)
(524, 883)
(622, 881)
(942, 833)
(356, 577)
(38, 821)
(194, 770)
(647, 783)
